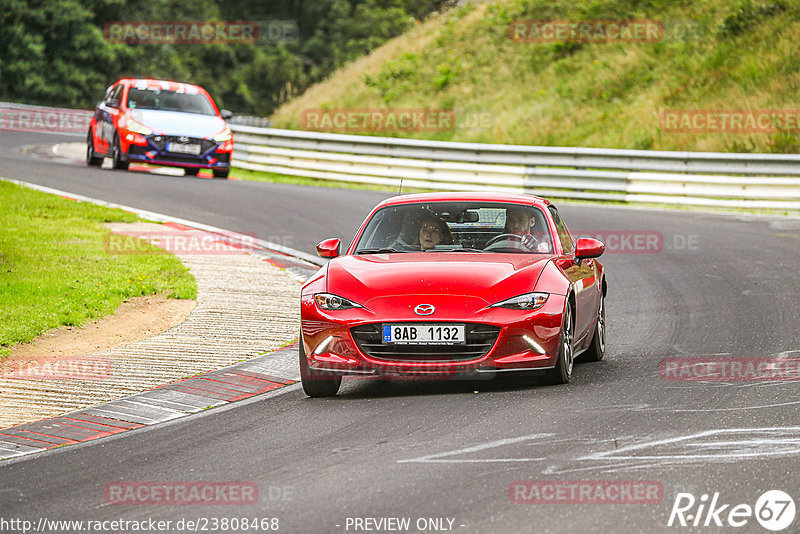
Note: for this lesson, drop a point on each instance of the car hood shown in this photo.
(177, 123)
(489, 277)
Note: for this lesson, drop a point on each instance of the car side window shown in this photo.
(115, 95)
(563, 234)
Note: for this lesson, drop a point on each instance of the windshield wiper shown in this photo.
(462, 249)
(378, 250)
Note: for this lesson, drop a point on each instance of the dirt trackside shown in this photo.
(136, 318)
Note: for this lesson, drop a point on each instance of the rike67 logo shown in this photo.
(774, 510)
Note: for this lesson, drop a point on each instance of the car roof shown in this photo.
(485, 196)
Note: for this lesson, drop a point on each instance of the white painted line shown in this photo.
(138, 407)
(438, 458)
(759, 445)
(163, 403)
(6, 447)
(120, 416)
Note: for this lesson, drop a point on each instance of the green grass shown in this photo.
(718, 55)
(55, 271)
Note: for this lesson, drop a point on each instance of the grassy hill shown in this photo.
(712, 55)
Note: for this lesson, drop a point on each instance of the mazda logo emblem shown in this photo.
(183, 139)
(424, 309)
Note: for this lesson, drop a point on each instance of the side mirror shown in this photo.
(329, 248)
(589, 248)
(226, 114)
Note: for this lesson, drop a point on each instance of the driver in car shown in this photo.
(519, 222)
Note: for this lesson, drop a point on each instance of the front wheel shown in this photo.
(316, 383)
(92, 159)
(221, 173)
(597, 348)
(116, 156)
(562, 372)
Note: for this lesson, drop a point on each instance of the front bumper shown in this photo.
(524, 340)
(153, 149)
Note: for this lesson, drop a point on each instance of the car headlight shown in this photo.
(528, 301)
(329, 301)
(135, 127)
(224, 135)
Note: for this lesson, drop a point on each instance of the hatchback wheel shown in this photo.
(92, 159)
(116, 156)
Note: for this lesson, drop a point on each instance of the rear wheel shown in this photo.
(597, 348)
(316, 383)
(221, 173)
(92, 159)
(191, 171)
(116, 156)
(562, 372)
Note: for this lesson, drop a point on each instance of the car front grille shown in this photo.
(160, 142)
(480, 338)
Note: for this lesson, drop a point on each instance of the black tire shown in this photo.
(597, 347)
(92, 159)
(315, 383)
(117, 161)
(562, 372)
(221, 173)
(191, 171)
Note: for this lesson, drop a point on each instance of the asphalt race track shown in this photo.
(444, 455)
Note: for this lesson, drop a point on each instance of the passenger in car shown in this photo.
(422, 232)
(434, 231)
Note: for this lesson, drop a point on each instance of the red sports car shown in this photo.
(162, 123)
(453, 283)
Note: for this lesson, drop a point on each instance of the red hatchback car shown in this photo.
(451, 284)
(162, 123)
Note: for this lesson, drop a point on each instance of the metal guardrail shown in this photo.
(689, 178)
(638, 176)
(250, 120)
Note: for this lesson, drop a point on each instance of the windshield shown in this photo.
(164, 100)
(457, 227)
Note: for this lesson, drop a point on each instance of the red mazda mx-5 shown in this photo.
(452, 283)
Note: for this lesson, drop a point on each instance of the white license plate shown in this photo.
(183, 149)
(424, 334)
